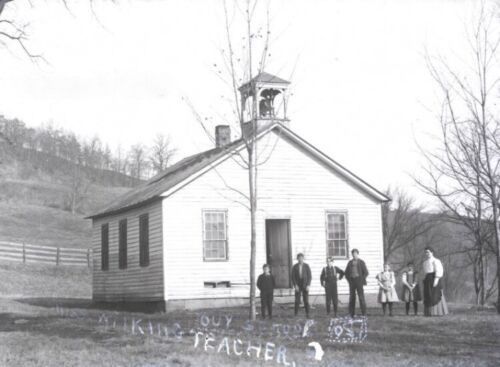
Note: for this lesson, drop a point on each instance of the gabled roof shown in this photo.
(264, 77)
(337, 167)
(154, 187)
(181, 173)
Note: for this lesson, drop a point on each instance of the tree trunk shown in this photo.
(385, 229)
(494, 207)
(253, 209)
(498, 262)
(481, 276)
(476, 278)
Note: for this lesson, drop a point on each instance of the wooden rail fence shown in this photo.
(35, 253)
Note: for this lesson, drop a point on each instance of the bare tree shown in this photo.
(138, 161)
(119, 162)
(463, 173)
(79, 184)
(403, 223)
(13, 130)
(11, 31)
(92, 150)
(161, 153)
(252, 61)
(243, 60)
(106, 157)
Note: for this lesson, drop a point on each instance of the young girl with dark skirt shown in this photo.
(411, 288)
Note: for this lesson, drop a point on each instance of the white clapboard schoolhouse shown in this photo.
(182, 239)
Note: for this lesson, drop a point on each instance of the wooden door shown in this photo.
(278, 250)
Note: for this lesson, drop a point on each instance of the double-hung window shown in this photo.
(336, 234)
(214, 235)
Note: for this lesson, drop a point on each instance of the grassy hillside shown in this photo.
(34, 199)
(42, 280)
(43, 226)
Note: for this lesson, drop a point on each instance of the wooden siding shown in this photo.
(135, 283)
(291, 185)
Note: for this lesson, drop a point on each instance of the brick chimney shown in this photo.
(222, 135)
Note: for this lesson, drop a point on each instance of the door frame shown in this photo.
(268, 250)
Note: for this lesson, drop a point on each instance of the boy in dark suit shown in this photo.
(356, 274)
(301, 280)
(265, 283)
(328, 278)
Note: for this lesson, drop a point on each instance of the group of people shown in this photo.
(356, 274)
(434, 301)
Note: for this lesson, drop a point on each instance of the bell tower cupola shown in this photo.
(264, 99)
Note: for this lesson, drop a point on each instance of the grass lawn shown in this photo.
(70, 332)
(47, 319)
(42, 280)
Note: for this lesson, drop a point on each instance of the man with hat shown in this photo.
(301, 280)
(329, 276)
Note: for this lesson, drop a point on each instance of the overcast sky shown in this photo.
(361, 89)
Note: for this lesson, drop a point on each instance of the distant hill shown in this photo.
(44, 198)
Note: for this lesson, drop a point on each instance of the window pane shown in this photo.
(215, 233)
(336, 226)
(336, 234)
(329, 249)
(215, 249)
(340, 247)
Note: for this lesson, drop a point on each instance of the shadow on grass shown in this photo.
(88, 304)
(48, 326)
(463, 338)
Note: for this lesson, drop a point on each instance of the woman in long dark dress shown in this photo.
(434, 301)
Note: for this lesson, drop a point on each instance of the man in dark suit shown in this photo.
(301, 280)
(356, 274)
(329, 276)
(265, 283)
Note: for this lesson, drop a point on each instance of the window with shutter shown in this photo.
(144, 240)
(122, 244)
(105, 247)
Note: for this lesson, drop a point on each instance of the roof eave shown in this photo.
(365, 186)
(124, 209)
(356, 180)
